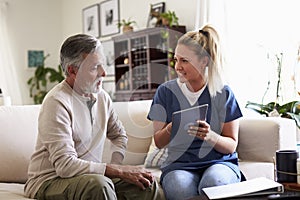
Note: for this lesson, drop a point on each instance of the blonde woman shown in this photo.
(204, 155)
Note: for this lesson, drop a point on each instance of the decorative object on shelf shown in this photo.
(155, 11)
(109, 17)
(39, 81)
(289, 110)
(127, 25)
(169, 18)
(35, 58)
(90, 17)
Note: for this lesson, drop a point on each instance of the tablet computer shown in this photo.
(182, 119)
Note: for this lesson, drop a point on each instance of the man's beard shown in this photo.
(94, 87)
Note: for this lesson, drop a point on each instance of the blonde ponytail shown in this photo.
(206, 42)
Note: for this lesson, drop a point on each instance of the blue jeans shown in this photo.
(182, 184)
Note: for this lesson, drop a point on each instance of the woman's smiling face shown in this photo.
(188, 66)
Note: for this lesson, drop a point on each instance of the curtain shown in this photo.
(8, 75)
(201, 13)
(212, 12)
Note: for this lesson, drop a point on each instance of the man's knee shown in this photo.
(96, 186)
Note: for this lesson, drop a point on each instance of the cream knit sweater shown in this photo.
(71, 138)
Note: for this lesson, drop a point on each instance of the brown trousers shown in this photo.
(95, 187)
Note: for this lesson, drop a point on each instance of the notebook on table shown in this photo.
(252, 187)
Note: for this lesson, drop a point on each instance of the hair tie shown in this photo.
(205, 33)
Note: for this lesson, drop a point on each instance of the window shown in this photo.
(256, 31)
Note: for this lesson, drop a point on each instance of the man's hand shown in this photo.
(132, 174)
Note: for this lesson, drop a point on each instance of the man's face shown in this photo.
(90, 74)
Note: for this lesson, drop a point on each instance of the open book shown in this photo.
(257, 186)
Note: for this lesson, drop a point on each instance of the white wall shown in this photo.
(44, 24)
(137, 10)
(33, 25)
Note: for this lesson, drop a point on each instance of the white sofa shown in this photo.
(259, 138)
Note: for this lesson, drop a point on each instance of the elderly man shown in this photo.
(75, 118)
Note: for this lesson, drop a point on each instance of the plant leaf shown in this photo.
(295, 117)
(261, 108)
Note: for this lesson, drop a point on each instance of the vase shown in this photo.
(127, 29)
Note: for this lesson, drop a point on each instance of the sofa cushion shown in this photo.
(260, 138)
(155, 157)
(257, 169)
(19, 131)
(139, 129)
(12, 191)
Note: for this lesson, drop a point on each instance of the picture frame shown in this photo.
(35, 58)
(109, 52)
(90, 16)
(109, 17)
(155, 10)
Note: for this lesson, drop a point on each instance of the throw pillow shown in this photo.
(155, 157)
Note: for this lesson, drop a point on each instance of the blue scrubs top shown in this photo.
(188, 152)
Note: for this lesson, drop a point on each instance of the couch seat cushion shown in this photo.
(12, 191)
(257, 169)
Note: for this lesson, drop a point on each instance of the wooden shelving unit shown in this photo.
(142, 61)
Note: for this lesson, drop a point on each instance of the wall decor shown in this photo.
(155, 11)
(109, 17)
(35, 58)
(108, 49)
(90, 17)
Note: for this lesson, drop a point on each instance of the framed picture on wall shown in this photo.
(35, 58)
(108, 49)
(109, 17)
(155, 11)
(90, 17)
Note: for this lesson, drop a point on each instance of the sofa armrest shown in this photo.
(260, 138)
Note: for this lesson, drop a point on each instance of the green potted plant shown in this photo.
(169, 18)
(39, 81)
(289, 110)
(126, 24)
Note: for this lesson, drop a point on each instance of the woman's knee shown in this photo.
(180, 184)
(218, 174)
